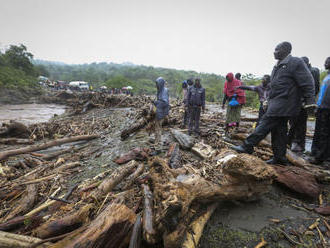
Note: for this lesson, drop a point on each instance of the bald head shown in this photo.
(282, 50)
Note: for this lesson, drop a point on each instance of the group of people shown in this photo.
(287, 96)
(290, 97)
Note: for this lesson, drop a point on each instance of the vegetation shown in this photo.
(16, 68)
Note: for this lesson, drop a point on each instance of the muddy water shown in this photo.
(30, 113)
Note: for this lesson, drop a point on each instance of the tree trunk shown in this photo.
(298, 179)
(6, 154)
(65, 224)
(116, 177)
(16, 141)
(173, 154)
(135, 240)
(109, 230)
(148, 218)
(10, 240)
(27, 201)
(197, 226)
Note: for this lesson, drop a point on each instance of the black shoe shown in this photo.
(277, 161)
(243, 149)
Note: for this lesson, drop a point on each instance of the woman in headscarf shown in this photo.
(236, 98)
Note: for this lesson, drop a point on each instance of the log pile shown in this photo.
(163, 200)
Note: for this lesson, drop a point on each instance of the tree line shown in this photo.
(19, 70)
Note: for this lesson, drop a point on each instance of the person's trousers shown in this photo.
(158, 131)
(321, 139)
(278, 128)
(195, 113)
(261, 113)
(186, 115)
(298, 128)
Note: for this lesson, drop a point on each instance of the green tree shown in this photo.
(19, 58)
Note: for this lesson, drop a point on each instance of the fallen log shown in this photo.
(108, 184)
(131, 179)
(10, 240)
(33, 148)
(135, 240)
(174, 156)
(230, 176)
(133, 128)
(186, 142)
(148, 218)
(16, 141)
(139, 154)
(196, 228)
(298, 180)
(110, 229)
(64, 225)
(323, 210)
(27, 201)
(243, 136)
(204, 151)
(18, 222)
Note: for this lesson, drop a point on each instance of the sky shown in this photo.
(213, 36)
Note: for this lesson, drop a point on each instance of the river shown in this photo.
(30, 113)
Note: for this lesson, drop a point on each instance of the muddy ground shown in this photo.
(281, 217)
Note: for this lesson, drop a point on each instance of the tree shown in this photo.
(19, 58)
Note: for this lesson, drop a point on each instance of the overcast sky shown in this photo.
(215, 36)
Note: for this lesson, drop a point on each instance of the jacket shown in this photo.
(230, 89)
(290, 82)
(162, 103)
(316, 76)
(196, 97)
(324, 96)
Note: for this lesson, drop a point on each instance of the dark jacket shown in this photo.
(162, 103)
(263, 91)
(291, 81)
(316, 76)
(324, 96)
(196, 97)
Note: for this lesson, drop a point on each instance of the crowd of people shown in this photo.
(287, 97)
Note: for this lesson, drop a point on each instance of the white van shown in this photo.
(79, 85)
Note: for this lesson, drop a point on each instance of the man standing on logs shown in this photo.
(321, 139)
(196, 101)
(162, 108)
(290, 82)
(298, 124)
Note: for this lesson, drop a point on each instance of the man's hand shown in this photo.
(265, 105)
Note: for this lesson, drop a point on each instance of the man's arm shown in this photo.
(316, 76)
(203, 99)
(245, 87)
